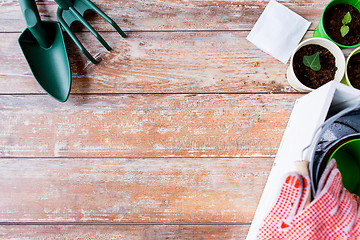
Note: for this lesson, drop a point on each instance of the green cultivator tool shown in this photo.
(70, 11)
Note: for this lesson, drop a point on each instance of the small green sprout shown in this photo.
(312, 61)
(346, 20)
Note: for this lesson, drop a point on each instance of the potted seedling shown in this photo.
(340, 22)
(315, 62)
(352, 72)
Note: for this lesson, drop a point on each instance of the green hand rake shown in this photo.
(70, 11)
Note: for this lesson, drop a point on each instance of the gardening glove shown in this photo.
(332, 213)
(292, 197)
(355, 233)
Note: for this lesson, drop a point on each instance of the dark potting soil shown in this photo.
(333, 22)
(353, 70)
(307, 76)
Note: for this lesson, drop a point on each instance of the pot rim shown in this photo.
(309, 151)
(321, 23)
(327, 153)
(346, 79)
(334, 50)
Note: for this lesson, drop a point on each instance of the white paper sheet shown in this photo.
(278, 31)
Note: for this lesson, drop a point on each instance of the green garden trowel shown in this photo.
(43, 46)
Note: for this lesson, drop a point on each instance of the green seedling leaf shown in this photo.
(344, 30)
(312, 61)
(347, 18)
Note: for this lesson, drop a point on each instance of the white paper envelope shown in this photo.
(278, 31)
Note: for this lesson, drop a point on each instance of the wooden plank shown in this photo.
(205, 125)
(145, 190)
(156, 63)
(126, 232)
(154, 15)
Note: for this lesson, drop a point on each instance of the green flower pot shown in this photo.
(346, 79)
(320, 30)
(347, 157)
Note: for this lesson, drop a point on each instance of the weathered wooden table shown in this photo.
(171, 136)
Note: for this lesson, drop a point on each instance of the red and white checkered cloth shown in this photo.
(333, 214)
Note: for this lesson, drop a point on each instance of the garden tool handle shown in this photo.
(65, 4)
(303, 168)
(33, 22)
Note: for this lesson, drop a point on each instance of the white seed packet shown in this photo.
(278, 31)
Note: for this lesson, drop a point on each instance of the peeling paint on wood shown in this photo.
(157, 63)
(162, 15)
(112, 190)
(171, 136)
(215, 125)
(124, 232)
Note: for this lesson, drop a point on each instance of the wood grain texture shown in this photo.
(146, 190)
(160, 15)
(124, 232)
(171, 136)
(205, 125)
(174, 62)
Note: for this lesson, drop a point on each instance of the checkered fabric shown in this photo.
(276, 224)
(355, 232)
(305, 193)
(333, 214)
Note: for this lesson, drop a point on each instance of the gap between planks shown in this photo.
(120, 224)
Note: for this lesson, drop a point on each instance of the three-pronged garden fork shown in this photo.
(70, 11)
